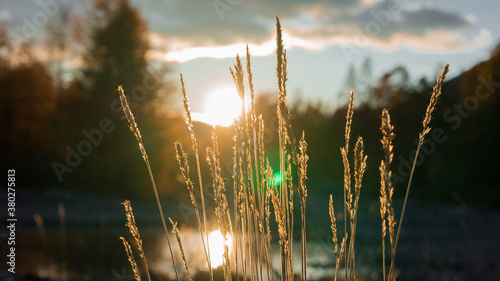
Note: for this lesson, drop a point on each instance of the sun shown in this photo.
(216, 244)
(223, 106)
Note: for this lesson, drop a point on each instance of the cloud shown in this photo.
(198, 22)
(395, 17)
(202, 23)
(194, 27)
(390, 24)
(188, 29)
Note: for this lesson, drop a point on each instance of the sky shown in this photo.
(200, 38)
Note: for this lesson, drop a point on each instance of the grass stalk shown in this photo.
(175, 231)
(182, 159)
(431, 107)
(386, 189)
(338, 253)
(135, 130)
(221, 205)
(359, 170)
(189, 124)
(131, 259)
(135, 234)
(347, 175)
(255, 189)
(303, 158)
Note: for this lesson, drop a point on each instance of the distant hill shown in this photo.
(460, 160)
(471, 114)
(462, 164)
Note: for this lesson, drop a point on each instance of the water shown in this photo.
(438, 242)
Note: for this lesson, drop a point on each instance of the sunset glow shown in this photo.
(222, 107)
(216, 244)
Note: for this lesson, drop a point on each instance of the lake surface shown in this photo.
(439, 241)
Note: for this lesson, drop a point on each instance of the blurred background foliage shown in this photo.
(44, 112)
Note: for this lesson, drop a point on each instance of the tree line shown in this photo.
(62, 126)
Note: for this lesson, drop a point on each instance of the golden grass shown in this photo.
(303, 158)
(221, 205)
(137, 133)
(351, 199)
(177, 234)
(431, 107)
(338, 254)
(386, 189)
(131, 259)
(135, 234)
(194, 143)
(255, 191)
(347, 170)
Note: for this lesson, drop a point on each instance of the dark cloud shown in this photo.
(199, 23)
(427, 18)
(207, 23)
(403, 16)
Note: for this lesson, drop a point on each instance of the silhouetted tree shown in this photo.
(116, 56)
(391, 88)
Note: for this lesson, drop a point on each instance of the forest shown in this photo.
(63, 128)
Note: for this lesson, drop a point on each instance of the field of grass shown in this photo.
(258, 195)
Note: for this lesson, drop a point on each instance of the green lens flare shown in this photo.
(277, 177)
